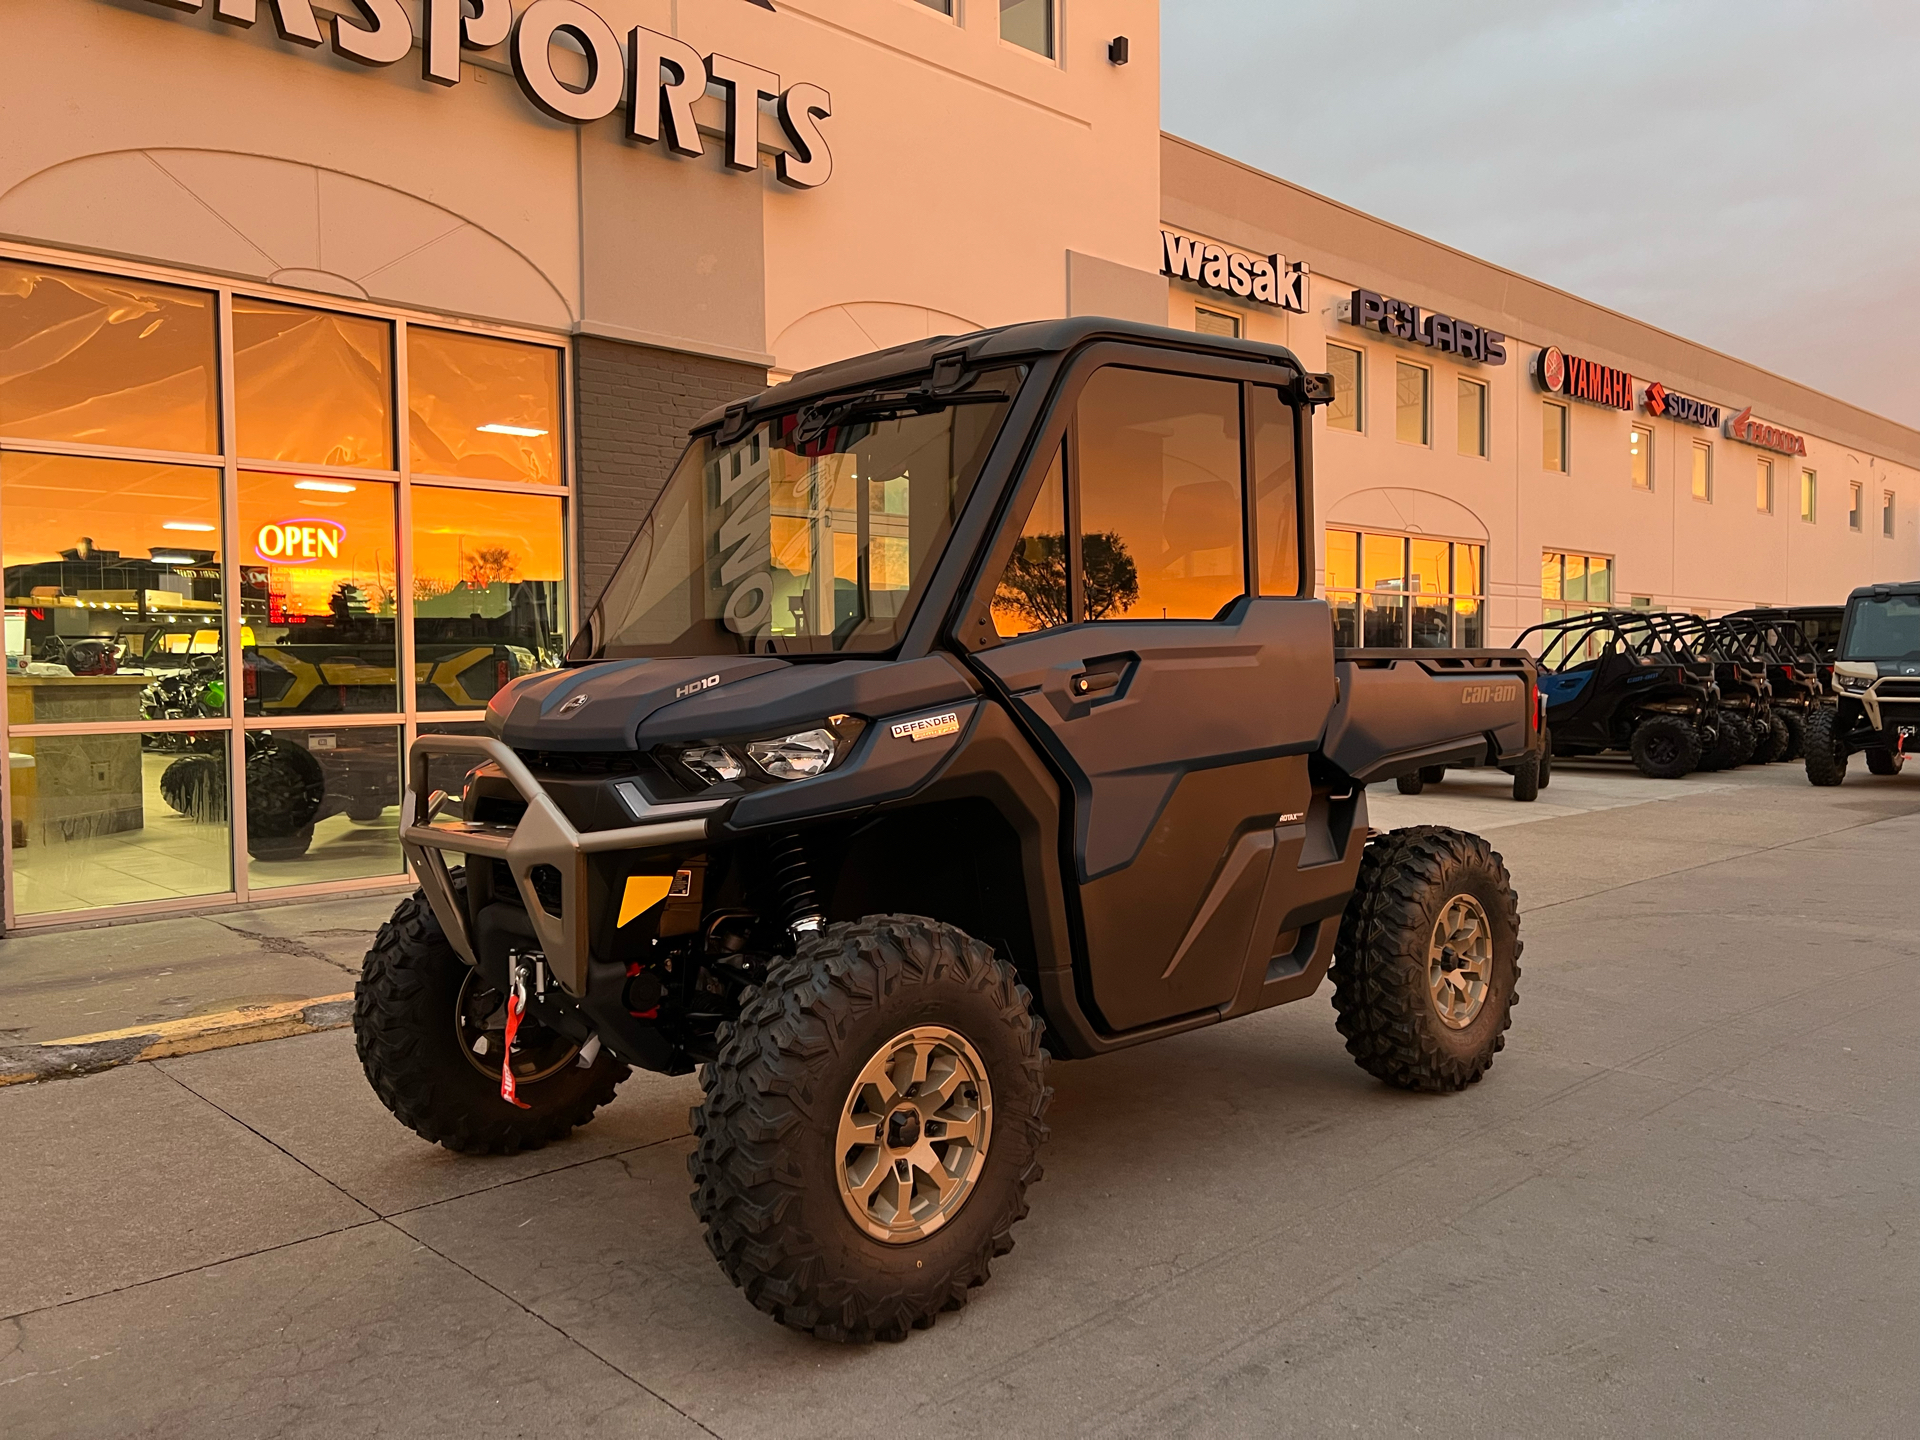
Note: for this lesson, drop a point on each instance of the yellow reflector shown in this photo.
(642, 894)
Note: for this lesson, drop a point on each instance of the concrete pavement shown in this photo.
(1682, 1202)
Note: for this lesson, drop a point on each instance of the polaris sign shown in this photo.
(1265, 279)
(1403, 321)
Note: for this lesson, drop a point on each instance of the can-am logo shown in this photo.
(1264, 279)
(1768, 437)
(1587, 380)
(1488, 694)
(1684, 408)
(299, 542)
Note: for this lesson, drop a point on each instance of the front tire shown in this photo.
(1526, 777)
(1775, 740)
(414, 1005)
(1410, 784)
(1427, 961)
(1883, 761)
(826, 1193)
(1826, 748)
(1796, 735)
(1546, 757)
(1665, 747)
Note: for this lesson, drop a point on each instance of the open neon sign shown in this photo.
(300, 541)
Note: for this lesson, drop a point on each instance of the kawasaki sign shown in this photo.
(1264, 279)
(659, 77)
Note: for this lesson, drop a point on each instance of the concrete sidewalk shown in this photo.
(1677, 1205)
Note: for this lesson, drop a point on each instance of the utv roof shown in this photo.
(985, 347)
(1884, 589)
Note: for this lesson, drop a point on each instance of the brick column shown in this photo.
(633, 407)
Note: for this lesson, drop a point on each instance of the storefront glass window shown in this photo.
(101, 360)
(488, 593)
(1028, 24)
(312, 387)
(1572, 584)
(318, 595)
(481, 408)
(1414, 590)
(117, 819)
(322, 804)
(113, 589)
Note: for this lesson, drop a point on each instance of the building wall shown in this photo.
(1669, 547)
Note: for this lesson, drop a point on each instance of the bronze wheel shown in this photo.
(913, 1134)
(1459, 960)
(480, 1018)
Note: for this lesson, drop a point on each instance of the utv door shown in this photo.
(1177, 698)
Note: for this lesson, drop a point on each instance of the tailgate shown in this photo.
(1399, 710)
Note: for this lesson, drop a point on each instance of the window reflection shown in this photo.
(481, 408)
(102, 360)
(322, 805)
(117, 819)
(317, 595)
(1032, 593)
(312, 387)
(488, 572)
(113, 585)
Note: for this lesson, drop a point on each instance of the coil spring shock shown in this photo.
(793, 884)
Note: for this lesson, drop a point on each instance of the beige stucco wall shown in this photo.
(965, 171)
(1666, 545)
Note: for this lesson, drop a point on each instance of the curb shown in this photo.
(85, 1054)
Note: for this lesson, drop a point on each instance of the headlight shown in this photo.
(712, 763)
(794, 757)
(1855, 682)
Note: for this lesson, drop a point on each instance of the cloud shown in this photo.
(1742, 172)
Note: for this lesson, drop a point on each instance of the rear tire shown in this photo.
(1410, 784)
(1719, 753)
(1882, 761)
(1746, 741)
(1774, 741)
(794, 1083)
(406, 1026)
(1826, 750)
(1665, 747)
(1796, 735)
(1428, 897)
(1526, 777)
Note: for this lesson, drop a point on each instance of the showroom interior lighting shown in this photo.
(199, 525)
(510, 430)
(330, 487)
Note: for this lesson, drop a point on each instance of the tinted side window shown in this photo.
(1160, 496)
(1276, 492)
(1032, 593)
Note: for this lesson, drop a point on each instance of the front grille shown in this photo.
(1900, 690)
(569, 762)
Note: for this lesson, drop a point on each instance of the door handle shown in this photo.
(1092, 682)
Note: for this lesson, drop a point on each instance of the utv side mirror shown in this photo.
(1316, 390)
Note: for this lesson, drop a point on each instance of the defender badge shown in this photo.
(930, 728)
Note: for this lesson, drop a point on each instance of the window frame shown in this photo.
(1425, 372)
(1763, 485)
(1701, 492)
(1051, 55)
(1566, 607)
(407, 719)
(1227, 315)
(1359, 389)
(1060, 428)
(1857, 511)
(1887, 515)
(1559, 414)
(1809, 496)
(1645, 432)
(1356, 594)
(1463, 383)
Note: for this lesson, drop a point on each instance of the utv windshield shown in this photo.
(814, 533)
(1887, 629)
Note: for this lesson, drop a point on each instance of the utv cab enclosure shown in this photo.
(1876, 684)
(953, 702)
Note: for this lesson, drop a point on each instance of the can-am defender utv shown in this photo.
(1876, 679)
(952, 702)
(1612, 682)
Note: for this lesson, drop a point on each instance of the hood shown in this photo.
(600, 707)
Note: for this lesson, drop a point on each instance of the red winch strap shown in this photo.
(514, 1012)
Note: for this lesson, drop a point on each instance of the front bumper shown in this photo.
(543, 836)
